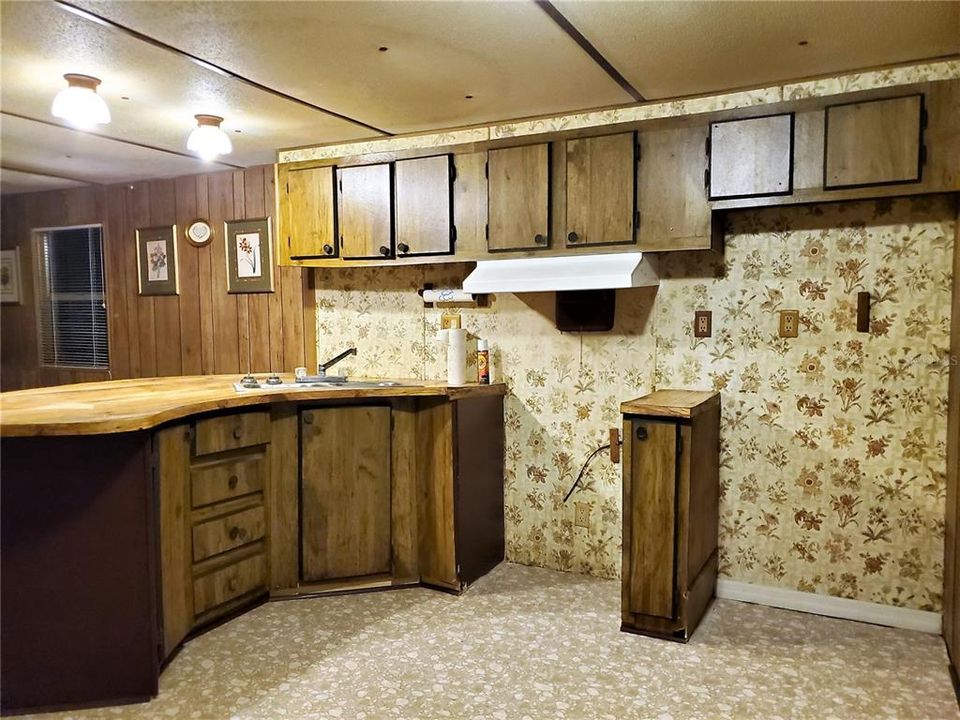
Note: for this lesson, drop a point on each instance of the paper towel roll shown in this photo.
(447, 295)
(456, 356)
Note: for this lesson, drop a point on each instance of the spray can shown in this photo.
(483, 362)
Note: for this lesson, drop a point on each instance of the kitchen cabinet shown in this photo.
(670, 511)
(601, 190)
(345, 489)
(876, 142)
(365, 211)
(518, 198)
(424, 206)
(308, 218)
(674, 210)
(460, 451)
(751, 157)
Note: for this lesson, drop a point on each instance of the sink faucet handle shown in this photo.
(299, 372)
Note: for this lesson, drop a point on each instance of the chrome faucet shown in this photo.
(323, 367)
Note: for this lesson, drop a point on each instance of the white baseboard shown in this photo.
(898, 617)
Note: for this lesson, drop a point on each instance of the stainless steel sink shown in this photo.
(325, 385)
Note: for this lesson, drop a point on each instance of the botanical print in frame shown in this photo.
(157, 260)
(249, 256)
(10, 276)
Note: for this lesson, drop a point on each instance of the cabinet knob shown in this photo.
(540, 239)
(308, 418)
(384, 250)
(573, 237)
(234, 532)
(232, 482)
(237, 433)
(403, 247)
(641, 432)
(328, 249)
(232, 585)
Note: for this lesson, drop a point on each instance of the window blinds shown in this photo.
(70, 298)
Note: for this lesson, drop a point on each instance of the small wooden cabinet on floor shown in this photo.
(671, 453)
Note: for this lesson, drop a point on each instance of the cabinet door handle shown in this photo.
(384, 250)
(572, 237)
(232, 585)
(641, 432)
(234, 532)
(403, 248)
(328, 249)
(237, 433)
(540, 239)
(232, 482)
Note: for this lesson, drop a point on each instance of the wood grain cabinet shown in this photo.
(671, 193)
(670, 511)
(424, 206)
(345, 490)
(365, 211)
(751, 157)
(518, 198)
(877, 142)
(308, 225)
(601, 190)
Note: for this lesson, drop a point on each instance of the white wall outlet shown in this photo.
(789, 323)
(702, 323)
(582, 512)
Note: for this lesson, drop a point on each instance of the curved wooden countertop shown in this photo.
(124, 405)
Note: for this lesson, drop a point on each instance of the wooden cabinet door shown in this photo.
(308, 216)
(365, 212)
(424, 208)
(751, 157)
(601, 190)
(652, 517)
(674, 211)
(518, 198)
(877, 142)
(172, 448)
(345, 522)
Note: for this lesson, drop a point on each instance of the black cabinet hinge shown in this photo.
(453, 234)
(486, 169)
(706, 146)
(288, 188)
(486, 230)
(453, 172)
(639, 152)
(924, 118)
(706, 177)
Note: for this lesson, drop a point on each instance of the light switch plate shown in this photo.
(702, 323)
(789, 323)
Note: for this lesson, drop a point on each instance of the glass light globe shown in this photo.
(207, 139)
(79, 104)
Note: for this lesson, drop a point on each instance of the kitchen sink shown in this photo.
(331, 384)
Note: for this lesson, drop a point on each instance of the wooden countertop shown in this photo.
(671, 403)
(124, 405)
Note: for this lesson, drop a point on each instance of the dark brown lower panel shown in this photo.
(79, 625)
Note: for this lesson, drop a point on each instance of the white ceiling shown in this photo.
(512, 57)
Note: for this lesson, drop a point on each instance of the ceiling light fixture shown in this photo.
(79, 104)
(208, 140)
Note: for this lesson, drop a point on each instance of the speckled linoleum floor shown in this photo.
(532, 643)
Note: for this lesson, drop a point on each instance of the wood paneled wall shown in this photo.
(204, 329)
(951, 565)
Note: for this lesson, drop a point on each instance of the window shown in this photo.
(72, 316)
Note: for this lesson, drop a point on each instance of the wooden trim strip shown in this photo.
(205, 64)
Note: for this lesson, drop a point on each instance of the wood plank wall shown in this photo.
(203, 330)
(951, 565)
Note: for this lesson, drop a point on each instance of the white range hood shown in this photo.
(572, 272)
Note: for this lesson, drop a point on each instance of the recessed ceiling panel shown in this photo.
(15, 181)
(163, 91)
(671, 49)
(41, 148)
(509, 56)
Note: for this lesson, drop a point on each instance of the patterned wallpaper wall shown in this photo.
(833, 472)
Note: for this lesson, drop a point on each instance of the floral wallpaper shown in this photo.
(832, 467)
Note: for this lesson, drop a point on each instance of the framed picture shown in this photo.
(10, 276)
(249, 256)
(157, 260)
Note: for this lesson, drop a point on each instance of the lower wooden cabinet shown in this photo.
(670, 511)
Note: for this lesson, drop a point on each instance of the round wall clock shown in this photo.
(199, 232)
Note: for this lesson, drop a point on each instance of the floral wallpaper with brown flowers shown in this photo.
(832, 467)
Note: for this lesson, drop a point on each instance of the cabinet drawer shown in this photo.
(225, 533)
(228, 583)
(226, 480)
(229, 432)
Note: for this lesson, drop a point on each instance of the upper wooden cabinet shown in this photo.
(518, 198)
(878, 142)
(307, 213)
(752, 157)
(674, 211)
(365, 211)
(424, 207)
(601, 190)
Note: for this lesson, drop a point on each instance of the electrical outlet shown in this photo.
(582, 513)
(449, 320)
(789, 323)
(702, 323)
